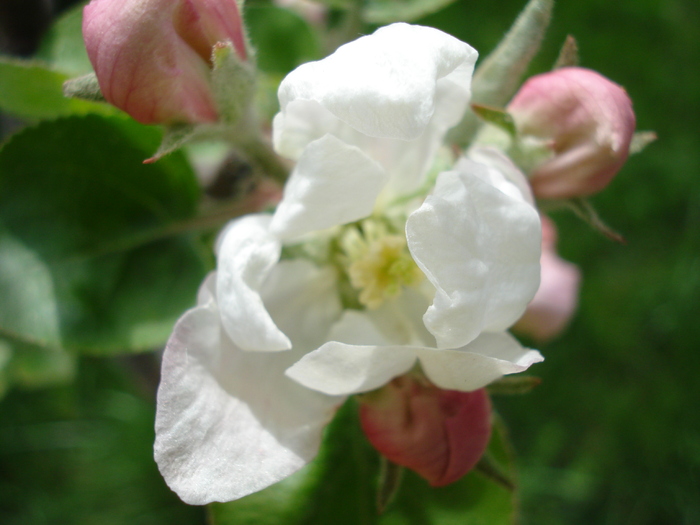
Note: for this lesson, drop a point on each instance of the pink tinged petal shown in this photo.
(385, 84)
(480, 248)
(143, 66)
(557, 298)
(246, 256)
(332, 184)
(228, 423)
(440, 434)
(489, 357)
(590, 123)
(501, 172)
(203, 23)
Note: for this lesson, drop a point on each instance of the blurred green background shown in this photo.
(612, 436)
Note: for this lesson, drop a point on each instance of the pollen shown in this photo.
(378, 264)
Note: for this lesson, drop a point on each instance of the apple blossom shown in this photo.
(381, 258)
(152, 58)
(578, 125)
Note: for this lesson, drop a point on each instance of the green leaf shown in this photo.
(340, 487)
(63, 45)
(85, 264)
(30, 90)
(388, 11)
(282, 38)
(32, 366)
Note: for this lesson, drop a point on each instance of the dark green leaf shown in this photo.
(282, 38)
(340, 487)
(84, 266)
(30, 90)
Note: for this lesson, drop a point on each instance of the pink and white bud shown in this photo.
(587, 123)
(556, 300)
(152, 58)
(440, 434)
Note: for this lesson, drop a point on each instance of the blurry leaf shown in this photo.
(85, 264)
(32, 366)
(282, 38)
(387, 11)
(29, 90)
(339, 487)
(63, 45)
(82, 454)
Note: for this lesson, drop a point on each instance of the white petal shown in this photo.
(502, 173)
(479, 363)
(333, 183)
(480, 249)
(385, 84)
(246, 254)
(303, 301)
(229, 422)
(356, 360)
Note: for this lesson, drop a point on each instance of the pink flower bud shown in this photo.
(440, 434)
(152, 58)
(555, 302)
(585, 119)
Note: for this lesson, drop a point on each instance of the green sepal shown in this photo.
(497, 78)
(513, 385)
(85, 88)
(233, 82)
(640, 140)
(585, 211)
(496, 116)
(568, 54)
(390, 477)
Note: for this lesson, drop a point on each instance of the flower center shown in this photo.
(377, 262)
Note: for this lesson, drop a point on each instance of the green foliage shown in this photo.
(388, 11)
(82, 454)
(87, 264)
(63, 45)
(30, 90)
(282, 38)
(340, 487)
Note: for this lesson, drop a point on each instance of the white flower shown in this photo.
(434, 279)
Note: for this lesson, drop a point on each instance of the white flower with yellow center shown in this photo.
(374, 262)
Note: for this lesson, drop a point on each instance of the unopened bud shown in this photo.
(556, 300)
(440, 434)
(152, 58)
(579, 126)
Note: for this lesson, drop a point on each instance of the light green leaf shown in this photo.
(84, 266)
(30, 90)
(340, 487)
(63, 45)
(388, 11)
